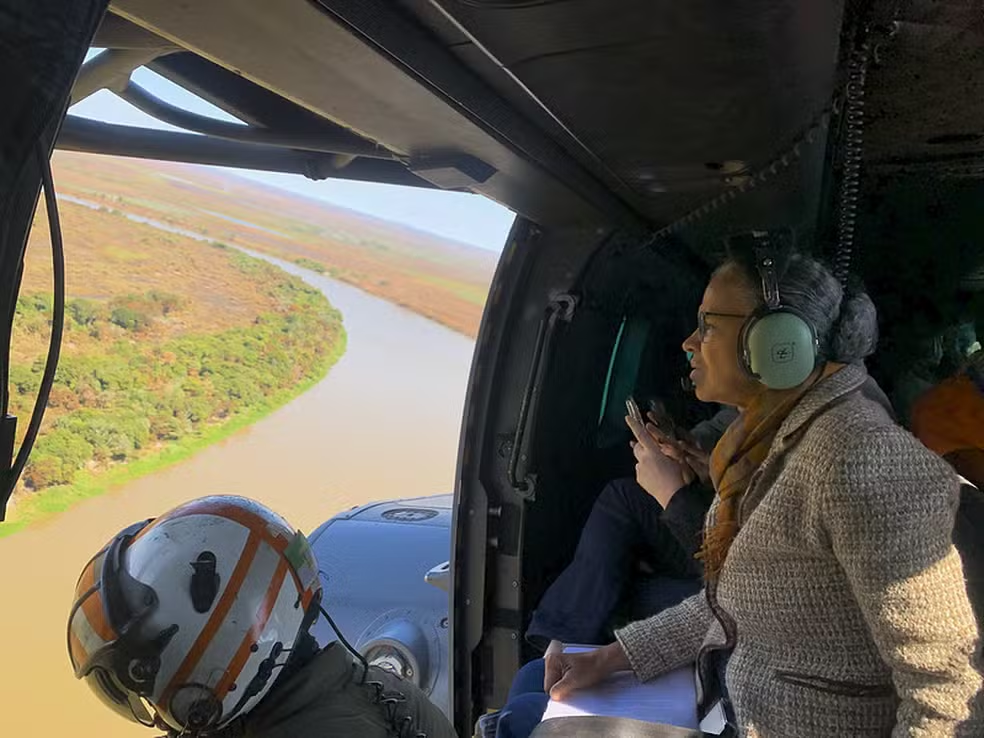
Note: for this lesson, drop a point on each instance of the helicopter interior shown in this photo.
(630, 139)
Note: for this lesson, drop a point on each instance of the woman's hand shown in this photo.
(683, 450)
(566, 672)
(657, 473)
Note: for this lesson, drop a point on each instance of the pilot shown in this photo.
(197, 623)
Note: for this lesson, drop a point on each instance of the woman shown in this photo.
(578, 606)
(830, 575)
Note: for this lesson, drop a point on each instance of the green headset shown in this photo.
(777, 346)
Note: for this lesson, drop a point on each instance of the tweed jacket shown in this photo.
(842, 599)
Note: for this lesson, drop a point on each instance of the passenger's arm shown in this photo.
(888, 507)
(685, 513)
(668, 640)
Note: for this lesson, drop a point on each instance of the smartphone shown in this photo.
(663, 420)
(633, 409)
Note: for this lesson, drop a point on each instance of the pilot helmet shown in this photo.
(183, 622)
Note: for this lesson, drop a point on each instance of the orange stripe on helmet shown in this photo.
(260, 620)
(87, 578)
(83, 641)
(92, 605)
(76, 651)
(254, 523)
(216, 619)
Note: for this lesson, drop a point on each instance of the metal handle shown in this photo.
(562, 308)
(440, 576)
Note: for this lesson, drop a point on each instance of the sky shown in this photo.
(464, 217)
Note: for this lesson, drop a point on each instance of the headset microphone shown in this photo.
(686, 383)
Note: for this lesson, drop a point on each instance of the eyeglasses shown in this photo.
(702, 326)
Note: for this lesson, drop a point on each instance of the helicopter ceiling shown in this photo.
(564, 110)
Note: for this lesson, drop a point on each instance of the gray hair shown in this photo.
(846, 321)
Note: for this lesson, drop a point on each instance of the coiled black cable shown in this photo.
(853, 153)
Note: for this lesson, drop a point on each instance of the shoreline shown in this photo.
(33, 509)
(107, 204)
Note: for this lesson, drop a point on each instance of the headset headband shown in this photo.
(765, 245)
(770, 281)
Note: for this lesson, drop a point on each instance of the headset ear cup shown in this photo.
(744, 353)
(780, 349)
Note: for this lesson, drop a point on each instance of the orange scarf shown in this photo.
(736, 457)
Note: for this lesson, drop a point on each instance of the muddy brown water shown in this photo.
(383, 424)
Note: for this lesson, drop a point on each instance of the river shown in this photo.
(383, 424)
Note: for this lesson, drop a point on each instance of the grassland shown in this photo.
(445, 281)
(170, 345)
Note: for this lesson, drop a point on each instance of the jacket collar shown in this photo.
(818, 398)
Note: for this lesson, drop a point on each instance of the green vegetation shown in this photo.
(88, 484)
(314, 266)
(129, 404)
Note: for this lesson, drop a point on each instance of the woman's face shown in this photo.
(717, 374)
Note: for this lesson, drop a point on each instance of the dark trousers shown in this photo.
(526, 703)
(625, 528)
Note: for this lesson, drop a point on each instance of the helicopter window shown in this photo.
(623, 373)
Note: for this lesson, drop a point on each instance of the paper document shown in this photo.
(670, 699)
